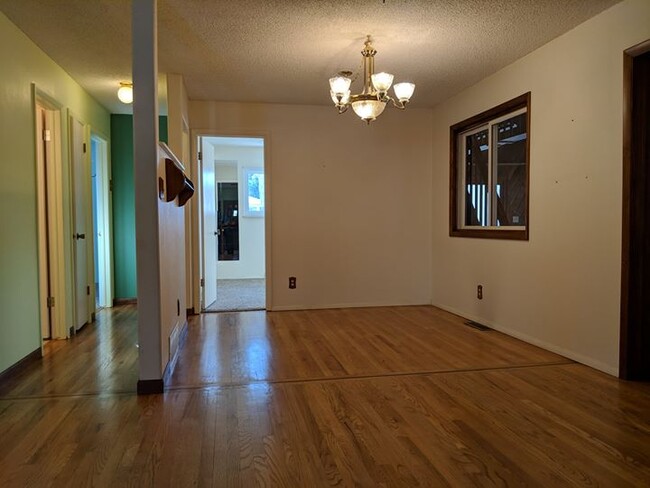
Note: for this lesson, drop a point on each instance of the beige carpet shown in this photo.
(239, 295)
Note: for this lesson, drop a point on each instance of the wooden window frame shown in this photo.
(455, 230)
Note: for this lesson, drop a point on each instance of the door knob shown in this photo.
(80, 236)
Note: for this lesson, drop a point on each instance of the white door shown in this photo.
(80, 233)
(101, 217)
(209, 225)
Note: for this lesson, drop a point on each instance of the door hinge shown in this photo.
(110, 185)
(50, 302)
(84, 147)
(202, 282)
(47, 135)
(88, 290)
(200, 156)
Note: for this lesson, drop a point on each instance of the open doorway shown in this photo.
(635, 286)
(51, 259)
(100, 177)
(233, 223)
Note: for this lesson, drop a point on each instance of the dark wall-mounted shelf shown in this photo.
(177, 185)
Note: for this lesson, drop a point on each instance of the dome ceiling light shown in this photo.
(125, 92)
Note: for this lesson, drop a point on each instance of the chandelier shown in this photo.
(371, 102)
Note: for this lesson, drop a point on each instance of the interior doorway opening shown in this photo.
(100, 177)
(233, 223)
(49, 177)
(634, 363)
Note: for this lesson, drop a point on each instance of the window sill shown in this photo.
(492, 233)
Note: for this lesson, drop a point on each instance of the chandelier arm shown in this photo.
(342, 108)
(398, 104)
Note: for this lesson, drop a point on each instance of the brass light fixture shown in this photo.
(371, 102)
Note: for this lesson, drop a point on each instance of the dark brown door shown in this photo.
(635, 310)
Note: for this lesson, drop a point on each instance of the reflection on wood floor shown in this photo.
(398, 396)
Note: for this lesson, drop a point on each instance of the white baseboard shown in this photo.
(580, 358)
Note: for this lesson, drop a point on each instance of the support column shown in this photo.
(145, 141)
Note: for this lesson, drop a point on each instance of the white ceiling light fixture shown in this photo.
(371, 102)
(125, 92)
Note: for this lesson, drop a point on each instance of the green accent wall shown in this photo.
(124, 265)
(162, 129)
(123, 206)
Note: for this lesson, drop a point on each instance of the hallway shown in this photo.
(400, 396)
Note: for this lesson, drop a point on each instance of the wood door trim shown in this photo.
(628, 61)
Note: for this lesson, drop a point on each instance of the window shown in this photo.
(253, 192)
(489, 173)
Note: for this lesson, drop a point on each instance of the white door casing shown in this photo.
(52, 263)
(43, 135)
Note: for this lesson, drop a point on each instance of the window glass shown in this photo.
(489, 173)
(510, 170)
(477, 173)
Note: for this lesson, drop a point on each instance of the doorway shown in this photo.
(101, 205)
(49, 177)
(635, 286)
(234, 228)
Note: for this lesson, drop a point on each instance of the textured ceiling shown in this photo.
(283, 51)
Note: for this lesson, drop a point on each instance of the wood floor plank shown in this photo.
(283, 346)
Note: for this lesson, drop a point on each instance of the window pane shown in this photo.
(476, 179)
(256, 191)
(509, 161)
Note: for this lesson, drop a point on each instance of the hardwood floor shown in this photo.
(236, 348)
(101, 358)
(400, 396)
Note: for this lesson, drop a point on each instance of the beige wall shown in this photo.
(561, 289)
(171, 231)
(178, 136)
(350, 212)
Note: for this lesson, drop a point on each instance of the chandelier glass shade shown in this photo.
(368, 108)
(371, 102)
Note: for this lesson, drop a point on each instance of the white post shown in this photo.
(145, 141)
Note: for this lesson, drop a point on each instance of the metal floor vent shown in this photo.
(477, 326)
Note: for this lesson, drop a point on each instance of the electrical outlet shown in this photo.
(479, 292)
(292, 282)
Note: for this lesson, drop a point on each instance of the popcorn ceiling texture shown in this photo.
(284, 51)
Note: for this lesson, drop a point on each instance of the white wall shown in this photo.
(350, 212)
(251, 229)
(562, 288)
